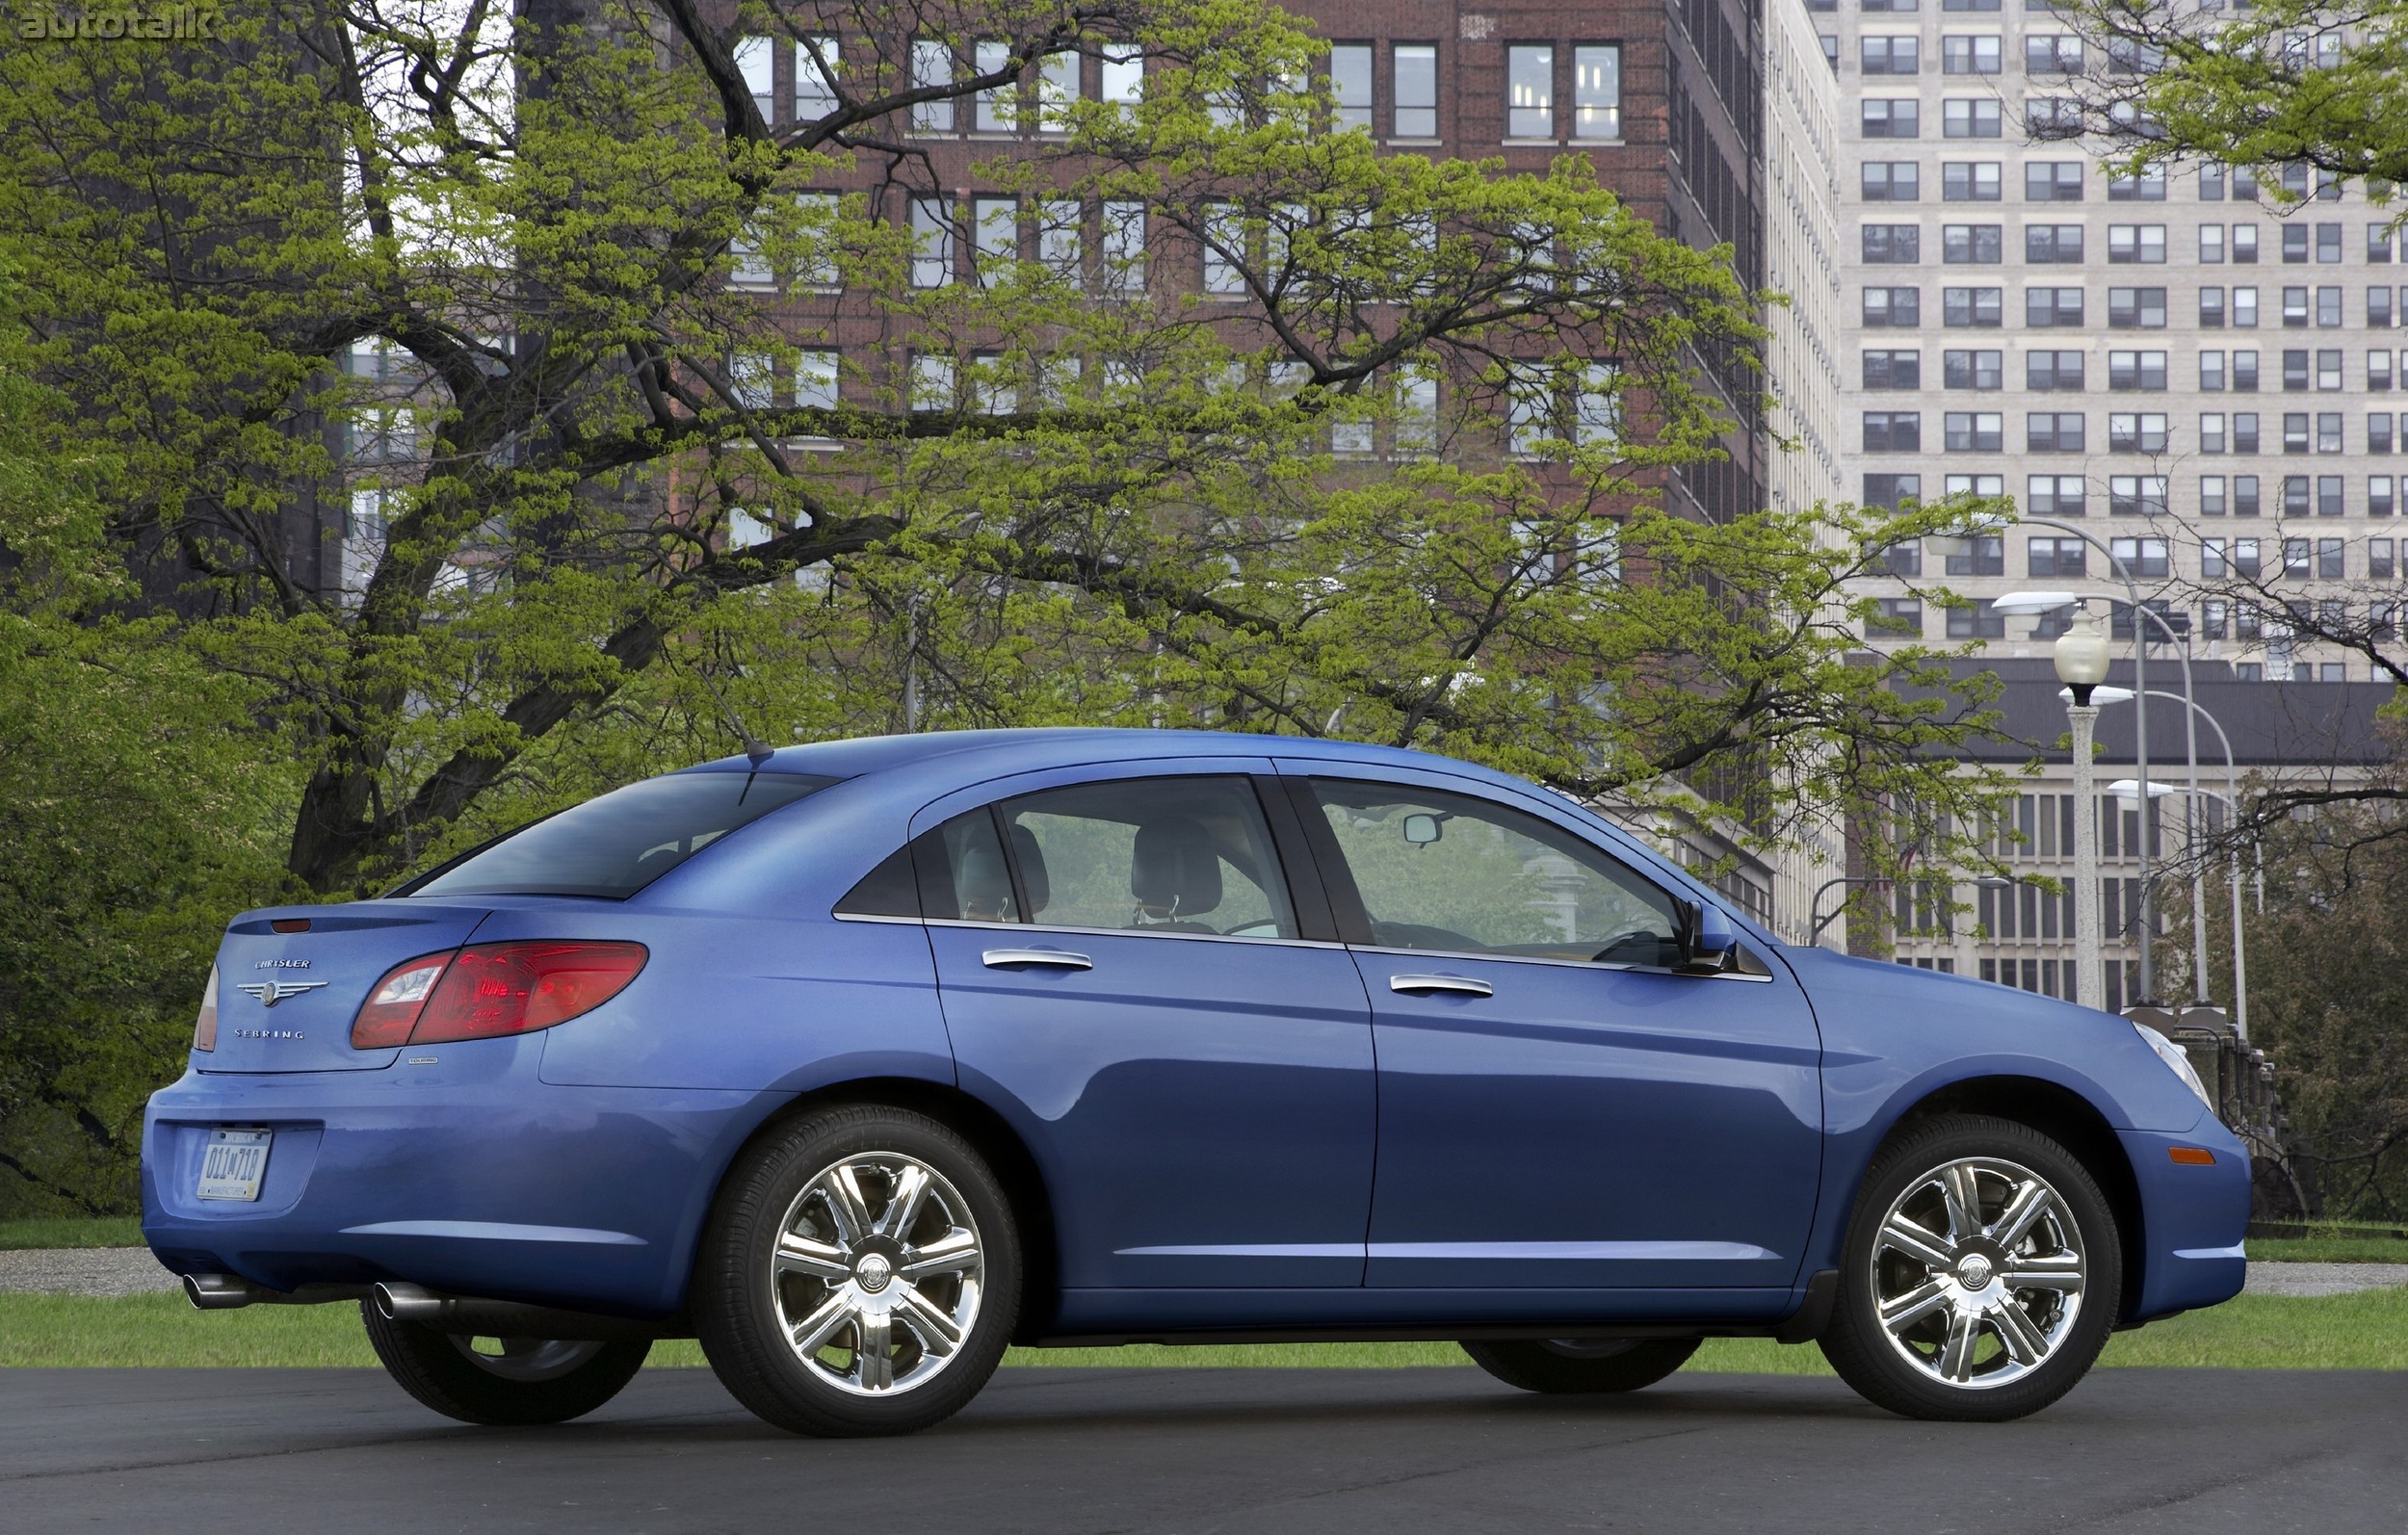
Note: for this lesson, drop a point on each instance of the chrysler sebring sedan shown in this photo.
(860, 1061)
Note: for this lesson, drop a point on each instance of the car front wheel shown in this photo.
(859, 1275)
(1982, 1273)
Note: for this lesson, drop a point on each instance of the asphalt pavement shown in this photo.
(1085, 1451)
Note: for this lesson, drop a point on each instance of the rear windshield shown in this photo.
(616, 844)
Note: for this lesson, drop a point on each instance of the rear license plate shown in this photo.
(234, 1162)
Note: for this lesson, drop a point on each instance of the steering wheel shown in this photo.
(1644, 944)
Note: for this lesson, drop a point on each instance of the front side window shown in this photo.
(1445, 872)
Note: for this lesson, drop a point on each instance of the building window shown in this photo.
(2245, 505)
(932, 68)
(2045, 244)
(2136, 370)
(1890, 181)
(1120, 76)
(2136, 308)
(1972, 432)
(1969, 181)
(2212, 432)
(1890, 55)
(2135, 244)
(756, 60)
(2147, 187)
(1896, 617)
(2211, 308)
(2052, 369)
(932, 244)
(1894, 370)
(1970, 54)
(1971, 370)
(2138, 496)
(1979, 308)
(1974, 118)
(1977, 620)
(2048, 54)
(2053, 431)
(2245, 376)
(996, 109)
(1981, 556)
(1123, 247)
(2140, 556)
(2245, 244)
(1894, 430)
(1530, 78)
(816, 61)
(2244, 308)
(1973, 244)
(1880, 117)
(2047, 307)
(1350, 84)
(2212, 500)
(1596, 93)
(1895, 244)
(1889, 491)
(1905, 558)
(2379, 431)
(2136, 431)
(994, 237)
(2058, 556)
(1416, 88)
(2056, 496)
(2379, 503)
(1895, 307)
(2053, 181)
(932, 382)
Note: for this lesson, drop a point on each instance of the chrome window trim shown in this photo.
(1571, 964)
(1111, 932)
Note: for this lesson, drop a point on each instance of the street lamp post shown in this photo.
(2025, 602)
(2232, 807)
(2082, 665)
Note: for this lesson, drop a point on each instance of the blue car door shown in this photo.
(1559, 1107)
(1128, 974)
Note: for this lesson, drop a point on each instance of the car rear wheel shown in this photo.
(1583, 1366)
(501, 1381)
(859, 1275)
(1982, 1273)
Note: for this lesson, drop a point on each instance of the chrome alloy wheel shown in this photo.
(878, 1273)
(1977, 1273)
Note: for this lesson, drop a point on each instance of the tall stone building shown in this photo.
(2194, 375)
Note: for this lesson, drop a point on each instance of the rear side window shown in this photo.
(1177, 855)
(615, 844)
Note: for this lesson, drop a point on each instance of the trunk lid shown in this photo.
(286, 1000)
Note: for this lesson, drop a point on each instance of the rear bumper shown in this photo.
(2193, 1220)
(468, 1175)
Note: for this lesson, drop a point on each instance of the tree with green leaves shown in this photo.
(1071, 483)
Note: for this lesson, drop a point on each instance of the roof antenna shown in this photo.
(757, 751)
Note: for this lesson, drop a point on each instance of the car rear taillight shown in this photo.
(206, 1026)
(393, 1005)
(490, 990)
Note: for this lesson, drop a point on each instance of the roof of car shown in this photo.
(871, 754)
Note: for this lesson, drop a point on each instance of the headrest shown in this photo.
(1032, 861)
(982, 884)
(1174, 871)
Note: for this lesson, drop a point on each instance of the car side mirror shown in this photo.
(1708, 944)
(1421, 830)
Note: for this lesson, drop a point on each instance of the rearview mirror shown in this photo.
(1709, 943)
(1422, 829)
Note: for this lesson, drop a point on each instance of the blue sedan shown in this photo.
(860, 1061)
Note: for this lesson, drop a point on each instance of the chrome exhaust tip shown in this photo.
(397, 1302)
(224, 1292)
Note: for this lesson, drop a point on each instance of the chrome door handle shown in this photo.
(1055, 959)
(1456, 984)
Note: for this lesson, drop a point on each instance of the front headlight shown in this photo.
(2175, 1061)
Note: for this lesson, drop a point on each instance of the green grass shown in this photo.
(109, 1230)
(2327, 1250)
(2365, 1331)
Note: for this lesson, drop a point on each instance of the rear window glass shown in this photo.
(616, 844)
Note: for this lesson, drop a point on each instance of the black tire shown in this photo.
(1577, 1366)
(1966, 1286)
(786, 1187)
(528, 1381)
